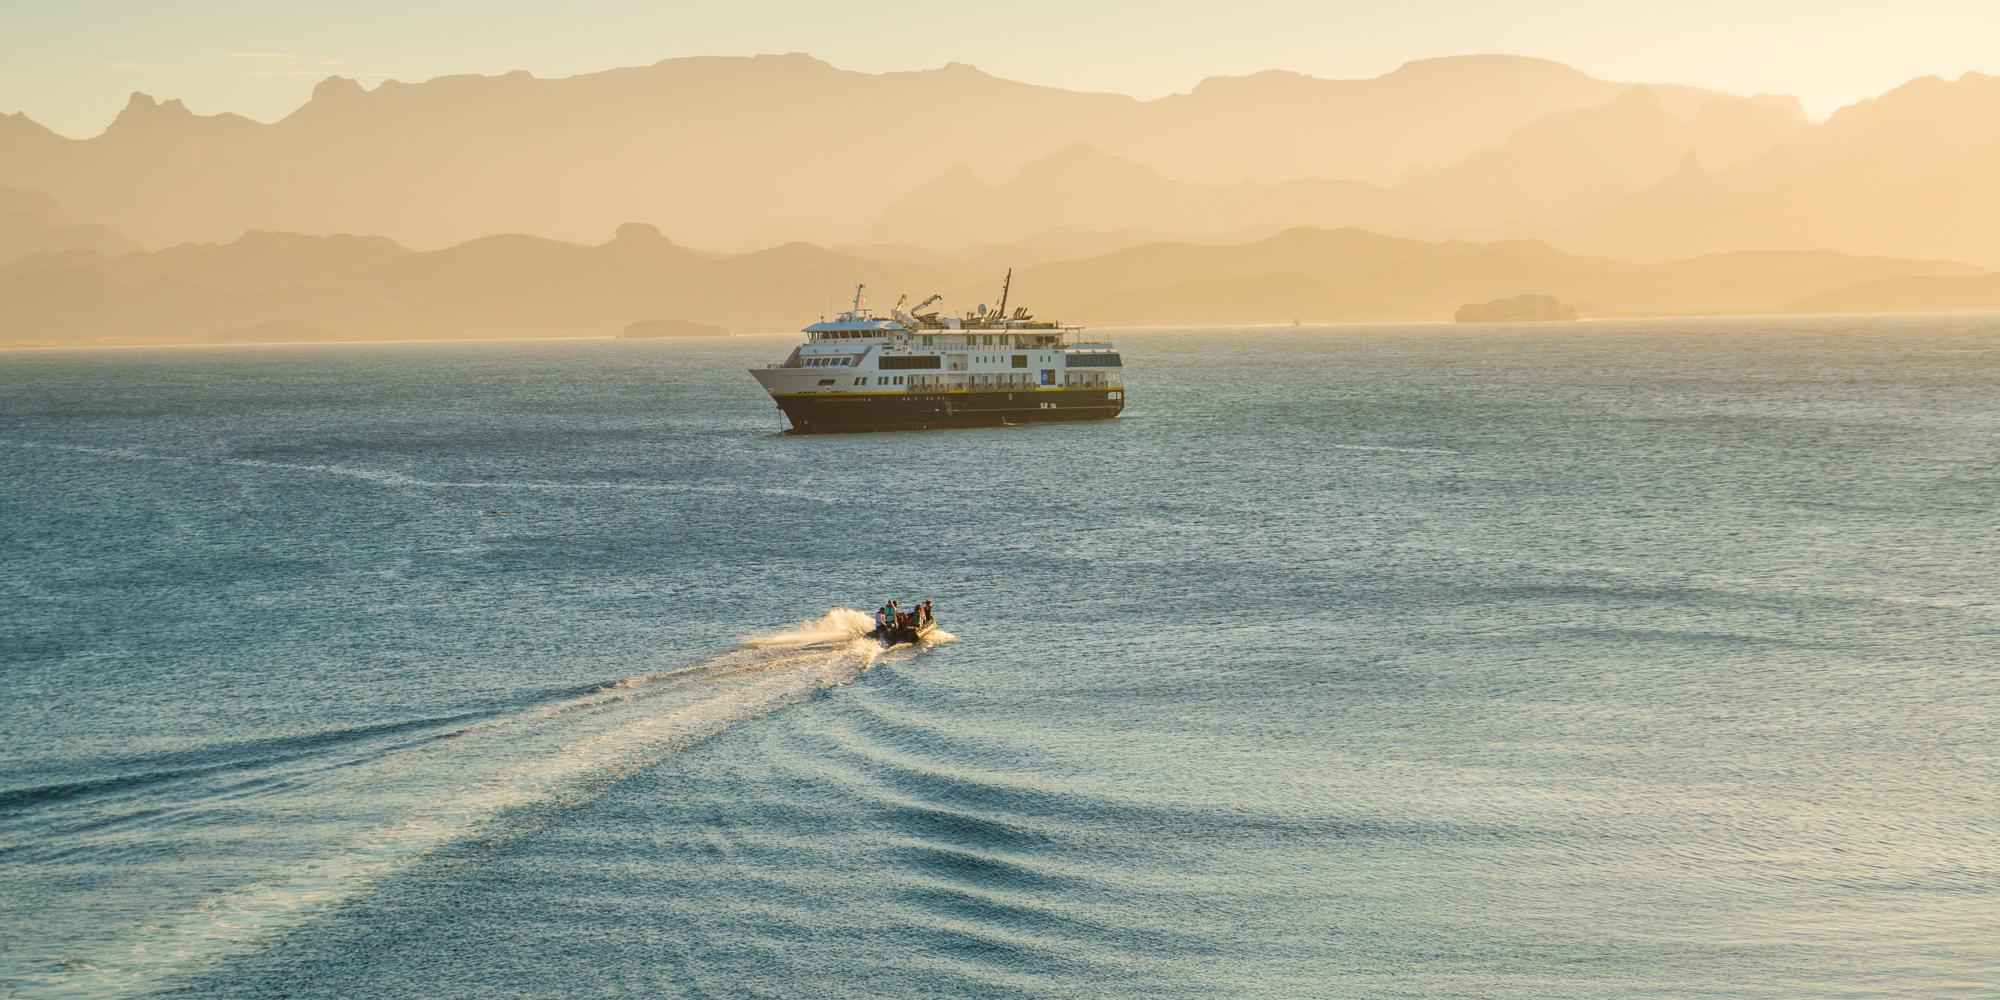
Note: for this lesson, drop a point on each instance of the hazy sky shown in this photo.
(70, 64)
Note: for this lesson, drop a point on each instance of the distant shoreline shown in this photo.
(1583, 321)
(290, 343)
(1471, 328)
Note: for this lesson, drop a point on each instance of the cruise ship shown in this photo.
(912, 370)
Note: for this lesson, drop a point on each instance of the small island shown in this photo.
(1519, 309)
(647, 329)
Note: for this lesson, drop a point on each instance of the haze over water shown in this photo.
(1607, 659)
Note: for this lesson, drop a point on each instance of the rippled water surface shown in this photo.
(1609, 659)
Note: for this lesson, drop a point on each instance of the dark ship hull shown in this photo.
(832, 413)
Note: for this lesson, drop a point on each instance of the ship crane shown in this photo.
(915, 316)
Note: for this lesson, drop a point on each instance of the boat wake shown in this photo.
(339, 814)
(401, 480)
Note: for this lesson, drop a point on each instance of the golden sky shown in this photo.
(71, 65)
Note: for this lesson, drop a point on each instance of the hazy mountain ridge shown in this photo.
(371, 287)
(1907, 293)
(1276, 125)
(763, 150)
(1686, 202)
(738, 151)
(1567, 166)
(283, 285)
(1550, 173)
(31, 222)
(1909, 173)
(1085, 188)
(1378, 278)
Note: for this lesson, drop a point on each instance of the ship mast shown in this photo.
(1005, 283)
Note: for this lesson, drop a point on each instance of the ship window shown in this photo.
(1020, 361)
(826, 381)
(912, 361)
(899, 380)
(861, 381)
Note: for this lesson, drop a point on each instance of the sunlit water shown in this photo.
(1608, 659)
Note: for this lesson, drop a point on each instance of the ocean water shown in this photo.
(1635, 659)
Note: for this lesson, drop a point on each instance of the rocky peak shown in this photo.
(335, 88)
(640, 233)
(142, 106)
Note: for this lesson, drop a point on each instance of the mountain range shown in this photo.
(748, 152)
(1264, 198)
(32, 222)
(284, 286)
(1908, 173)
